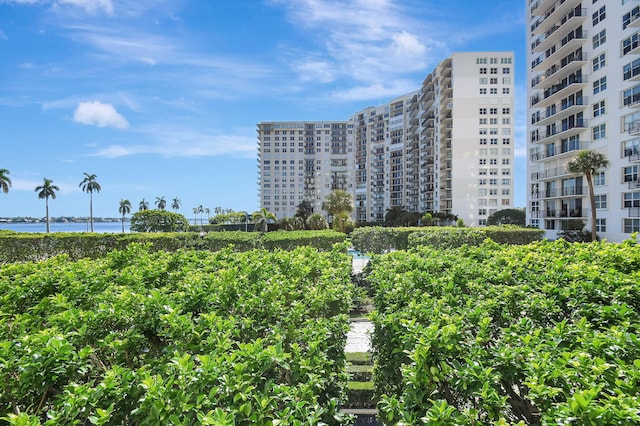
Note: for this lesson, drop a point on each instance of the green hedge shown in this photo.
(378, 239)
(545, 333)
(15, 247)
(141, 337)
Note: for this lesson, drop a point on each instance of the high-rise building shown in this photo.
(583, 80)
(447, 148)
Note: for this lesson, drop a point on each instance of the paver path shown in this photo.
(359, 337)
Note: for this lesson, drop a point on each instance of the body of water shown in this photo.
(98, 227)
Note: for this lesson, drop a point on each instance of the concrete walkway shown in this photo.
(359, 337)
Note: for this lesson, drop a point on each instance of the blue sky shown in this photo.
(160, 98)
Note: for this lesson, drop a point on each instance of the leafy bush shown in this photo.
(545, 333)
(158, 221)
(16, 247)
(140, 337)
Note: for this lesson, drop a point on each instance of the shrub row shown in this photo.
(191, 337)
(16, 246)
(378, 239)
(545, 333)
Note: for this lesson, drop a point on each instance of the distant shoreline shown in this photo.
(64, 219)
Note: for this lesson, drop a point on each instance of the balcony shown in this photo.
(556, 150)
(634, 211)
(635, 21)
(633, 183)
(561, 12)
(550, 173)
(566, 130)
(570, 191)
(558, 91)
(632, 48)
(552, 114)
(560, 70)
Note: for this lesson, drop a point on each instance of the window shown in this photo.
(631, 199)
(601, 225)
(599, 38)
(631, 16)
(600, 131)
(483, 141)
(482, 161)
(599, 179)
(493, 110)
(505, 90)
(494, 141)
(481, 60)
(505, 60)
(483, 70)
(599, 61)
(483, 80)
(631, 225)
(506, 181)
(599, 85)
(506, 70)
(631, 70)
(599, 16)
(631, 96)
(506, 141)
(506, 110)
(483, 131)
(601, 201)
(483, 111)
(483, 90)
(494, 70)
(493, 90)
(506, 80)
(598, 109)
(493, 181)
(630, 43)
(493, 81)
(630, 173)
(506, 161)
(506, 120)
(493, 121)
(482, 212)
(483, 121)
(506, 191)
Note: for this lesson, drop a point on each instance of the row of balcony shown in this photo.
(577, 213)
(553, 113)
(558, 149)
(566, 66)
(565, 130)
(570, 191)
(560, 13)
(558, 90)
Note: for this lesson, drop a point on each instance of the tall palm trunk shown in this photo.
(123, 223)
(46, 206)
(592, 202)
(91, 210)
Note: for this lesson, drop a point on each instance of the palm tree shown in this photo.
(124, 209)
(175, 204)
(88, 185)
(161, 203)
(208, 212)
(5, 182)
(261, 219)
(200, 210)
(144, 205)
(589, 163)
(305, 209)
(338, 204)
(46, 190)
(195, 215)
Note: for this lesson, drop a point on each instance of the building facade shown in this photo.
(583, 94)
(446, 147)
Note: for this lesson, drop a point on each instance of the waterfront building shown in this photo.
(583, 79)
(447, 147)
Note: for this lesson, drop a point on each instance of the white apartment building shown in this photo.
(584, 94)
(300, 161)
(447, 147)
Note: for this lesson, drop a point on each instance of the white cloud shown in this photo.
(171, 142)
(91, 6)
(96, 113)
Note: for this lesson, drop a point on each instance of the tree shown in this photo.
(158, 221)
(508, 217)
(124, 209)
(175, 204)
(589, 163)
(200, 210)
(208, 212)
(195, 215)
(5, 182)
(317, 222)
(144, 205)
(89, 185)
(261, 219)
(338, 204)
(305, 209)
(47, 190)
(161, 203)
